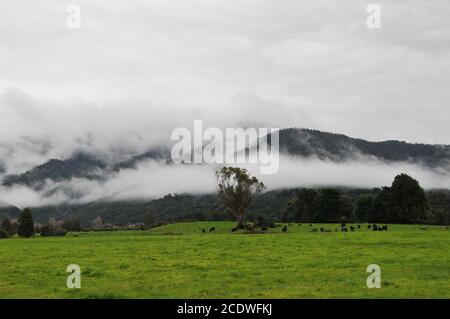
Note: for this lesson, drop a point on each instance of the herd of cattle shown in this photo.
(265, 227)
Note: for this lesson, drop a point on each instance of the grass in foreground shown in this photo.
(179, 261)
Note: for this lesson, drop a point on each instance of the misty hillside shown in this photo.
(8, 211)
(170, 208)
(78, 166)
(338, 147)
(293, 141)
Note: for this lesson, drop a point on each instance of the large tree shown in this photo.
(408, 200)
(26, 225)
(237, 188)
(403, 202)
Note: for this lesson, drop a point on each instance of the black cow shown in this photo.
(352, 228)
(233, 230)
(284, 229)
(212, 229)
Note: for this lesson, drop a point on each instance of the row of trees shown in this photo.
(26, 228)
(403, 202)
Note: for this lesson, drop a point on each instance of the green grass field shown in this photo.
(179, 261)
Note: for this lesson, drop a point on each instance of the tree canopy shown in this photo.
(237, 188)
(26, 225)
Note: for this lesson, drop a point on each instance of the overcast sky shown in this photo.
(135, 65)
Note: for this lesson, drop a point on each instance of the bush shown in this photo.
(47, 230)
(3, 234)
(6, 225)
(59, 232)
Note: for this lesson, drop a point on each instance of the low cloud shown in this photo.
(152, 180)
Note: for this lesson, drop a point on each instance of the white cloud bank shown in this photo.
(153, 180)
(138, 69)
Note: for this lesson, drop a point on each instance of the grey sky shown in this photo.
(140, 64)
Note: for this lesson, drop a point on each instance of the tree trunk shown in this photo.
(241, 221)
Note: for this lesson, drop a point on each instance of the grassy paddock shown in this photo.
(179, 261)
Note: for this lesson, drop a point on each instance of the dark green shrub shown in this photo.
(47, 230)
(3, 234)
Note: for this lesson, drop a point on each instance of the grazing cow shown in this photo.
(314, 230)
(203, 230)
(310, 225)
(234, 229)
(369, 227)
(344, 229)
(359, 226)
(375, 227)
(212, 229)
(299, 224)
(264, 228)
(321, 229)
(385, 228)
(352, 228)
(284, 229)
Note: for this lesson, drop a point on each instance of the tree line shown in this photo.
(25, 226)
(404, 202)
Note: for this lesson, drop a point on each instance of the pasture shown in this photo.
(180, 261)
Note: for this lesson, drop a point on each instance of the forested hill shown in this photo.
(293, 141)
(338, 147)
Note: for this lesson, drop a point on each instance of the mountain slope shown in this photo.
(293, 142)
(8, 211)
(338, 147)
(79, 166)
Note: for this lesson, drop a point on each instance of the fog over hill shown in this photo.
(308, 158)
(86, 114)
